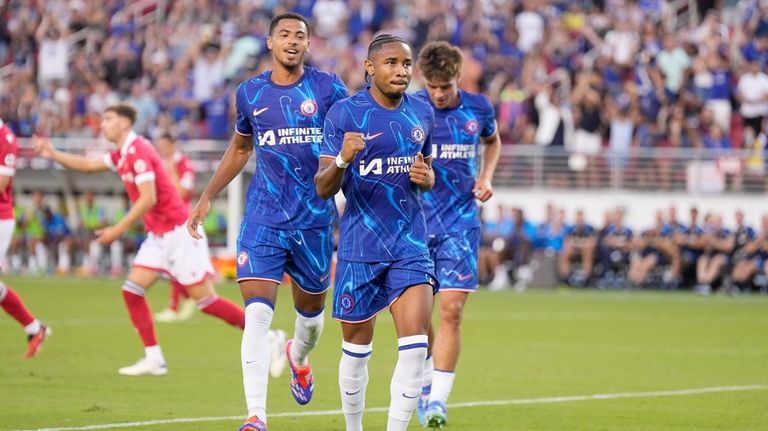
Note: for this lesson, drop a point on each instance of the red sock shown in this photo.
(224, 309)
(176, 292)
(13, 305)
(140, 314)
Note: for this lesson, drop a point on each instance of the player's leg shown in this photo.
(310, 269)
(411, 313)
(357, 297)
(12, 303)
(204, 294)
(356, 350)
(139, 280)
(191, 269)
(261, 262)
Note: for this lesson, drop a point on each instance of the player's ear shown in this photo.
(369, 67)
(269, 42)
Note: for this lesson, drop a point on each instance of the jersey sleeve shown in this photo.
(140, 165)
(8, 153)
(487, 117)
(243, 123)
(333, 133)
(110, 159)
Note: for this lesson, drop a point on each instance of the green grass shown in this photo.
(516, 346)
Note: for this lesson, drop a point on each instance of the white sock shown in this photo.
(64, 260)
(154, 354)
(94, 255)
(42, 257)
(353, 379)
(309, 326)
(255, 355)
(33, 328)
(16, 262)
(405, 387)
(116, 255)
(426, 378)
(442, 382)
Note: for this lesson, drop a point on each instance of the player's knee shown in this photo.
(451, 312)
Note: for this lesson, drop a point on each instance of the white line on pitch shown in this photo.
(545, 400)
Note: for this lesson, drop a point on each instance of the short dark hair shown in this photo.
(440, 60)
(379, 41)
(287, 15)
(125, 110)
(168, 136)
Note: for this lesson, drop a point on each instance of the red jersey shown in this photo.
(9, 149)
(138, 162)
(185, 173)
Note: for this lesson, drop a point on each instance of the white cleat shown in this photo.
(167, 316)
(144, 367)
(186, 309)
(278, 359)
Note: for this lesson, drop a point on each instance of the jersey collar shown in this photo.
(129, 140)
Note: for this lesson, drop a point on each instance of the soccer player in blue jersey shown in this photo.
(286, 226)
(377, 148)
(465, 123)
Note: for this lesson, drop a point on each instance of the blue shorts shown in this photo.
(364, 289)
(265, 253)
(455, 257)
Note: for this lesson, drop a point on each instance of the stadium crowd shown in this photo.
(674, 251)
(580, 75)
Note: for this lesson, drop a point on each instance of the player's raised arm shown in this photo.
(44, 148)
(233, 161)
(331, 170)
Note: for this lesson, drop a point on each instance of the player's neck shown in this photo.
(121, 140)
(282, 75)
(384, 100)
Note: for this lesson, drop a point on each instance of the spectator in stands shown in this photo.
(579, 247)
(751, 259)
(58, 239)
(718, 243)
(93, 216)
(752, 92)
(613, 251)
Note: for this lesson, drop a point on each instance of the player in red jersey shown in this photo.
(183, 178)
(168, 248)
(10, 300)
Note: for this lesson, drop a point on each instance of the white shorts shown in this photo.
(183, 258)
(6, 235)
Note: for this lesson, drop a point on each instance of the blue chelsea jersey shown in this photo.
(286, 122)
(383, 219)
(450, 206)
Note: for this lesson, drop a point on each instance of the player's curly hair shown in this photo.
(380, 41)
(440, 61)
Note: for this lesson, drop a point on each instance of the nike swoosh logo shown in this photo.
(463, 277)
(368, 137)
(406, 396)
(354, 393)
(324, 277)
(257, 112)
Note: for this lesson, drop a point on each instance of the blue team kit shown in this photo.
(382, 249)
(286, 225)
(453, 221)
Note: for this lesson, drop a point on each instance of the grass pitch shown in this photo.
(538, 359)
